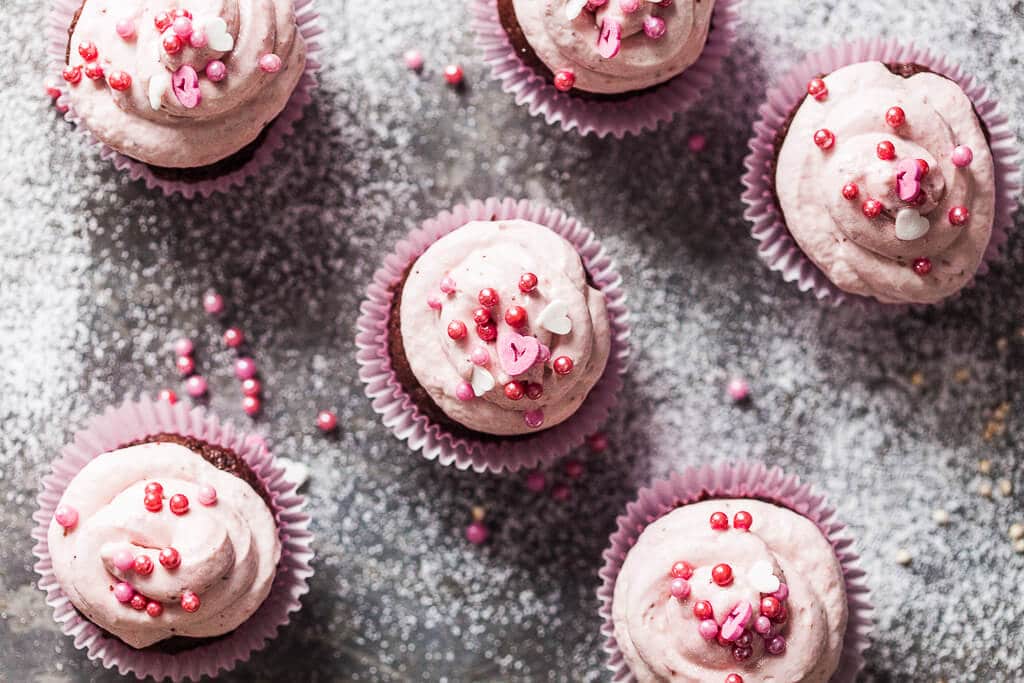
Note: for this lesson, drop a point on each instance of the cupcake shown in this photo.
(714, 575)
(175, 552)
(613, 66)
(884, 176)
(495, 334)
(187, 91)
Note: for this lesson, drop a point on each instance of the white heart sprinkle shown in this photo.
(295, 472)
(555, 318)
(762, 577)
(910, 225)
(217, 35)
(482, 381)
(573, 8)
(158, 85)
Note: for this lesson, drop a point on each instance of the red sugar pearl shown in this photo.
(958, 215)
(233, 337)
(169, 558)
(453, 74)
(564, 80)
(326, 420)
(142, 565)
(168, 396)
(514, 391)
(93, 71)
(721, 574)
(681, 570)
(734, 678)
(251, 387)
(138, 602)
(742, 520)
(251, 405)
(719, 521)
(702, 609)
(771, 607)
(154, 609)
(534, 391)
(162, 21)
(885, 150)
(88, 50)
(153, 502)
(923, 166)
(190, 601)
(72, 74)
(922, 266)
(871, 208)
(481, 316)
(487, 297)
(172, 43)
(562, 365)
(895, 116)
(824, 138)
(515, 316)
(119, 80)
(488, 332)
(850, 191)
(178, 504)
(527, 283)
(154, 487)
(457, 329)
(185, 365)
(817, 89)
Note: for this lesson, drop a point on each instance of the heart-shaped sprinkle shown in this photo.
(911, 225)
(185, 83)
(573, 8)
(482, 381)
(517, 353)
(762, 577)
(555, 318)
(158, 85)
(217, 36)
(609, 39)
(736, 622)
(908, 179)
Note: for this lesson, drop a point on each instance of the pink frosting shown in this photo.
(229, 550)
(495, 255)
(190, 125)
(659, 635)
(865, 256)
(568, 43)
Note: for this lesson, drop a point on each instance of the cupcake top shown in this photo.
(153, 541)
(501, 327)
(615, 46)
(731, 586)
(182, 86)
(886, 181)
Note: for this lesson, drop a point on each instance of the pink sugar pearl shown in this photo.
(480, 356)
(216, 71)
(962, 156)
(124, 592)
(536, 481)
(629, 6)
(447, 285)
(434, 303)
(124, 560)
(326, 420)
(534, 418)
(697, 143)
(477, 533)
(270, 63)
(125, 28)
(66, 516)
(654, 27)
(464, 391)
(196, 386)
(198, 39)
(213, 303)
(413, 60)
(182, 27)
(184, 347)
(680, 589)
(763, 625)
(738, 389)
(708, 629)
(207, 495)
(245, 368)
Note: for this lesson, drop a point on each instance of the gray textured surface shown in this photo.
(98, 276)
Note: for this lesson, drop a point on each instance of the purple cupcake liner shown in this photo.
(276, 133)
(633, 115)
(777, 247)
(403, 417)
(136, 420)
(740, 480)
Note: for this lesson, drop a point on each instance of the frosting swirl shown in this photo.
(227, 550)
(616, 46)
(185, 94)
(875, 136)
(783, 555)
(499, 377)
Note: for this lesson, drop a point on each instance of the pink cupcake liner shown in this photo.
(403, 417)
(61, 14)
(135, 420)
(777, 247)
(740, 480)
(643, 111)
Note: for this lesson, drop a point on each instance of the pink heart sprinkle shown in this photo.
(736, 622)
(185, 83)
(609, 40)
(517, 353)
(908, 179)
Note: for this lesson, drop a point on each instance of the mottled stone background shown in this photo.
(98, 276)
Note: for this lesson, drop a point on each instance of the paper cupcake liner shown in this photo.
(777, 247)
(740, 480)
(275, 134)
(135, 420)
(401, 414)
(633, 115)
